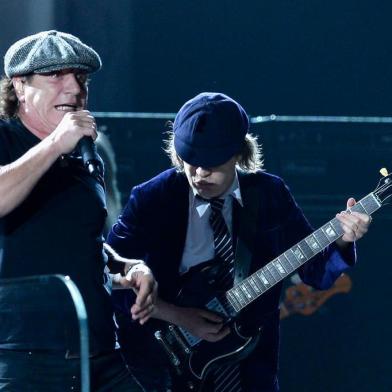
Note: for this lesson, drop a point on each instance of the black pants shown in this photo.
(152, 378)
(51, 372)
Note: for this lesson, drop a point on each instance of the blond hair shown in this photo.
(250, 156)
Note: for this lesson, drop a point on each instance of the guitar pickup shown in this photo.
(165, 345)
(179, 339)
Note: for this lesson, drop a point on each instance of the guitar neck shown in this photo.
(272, 273)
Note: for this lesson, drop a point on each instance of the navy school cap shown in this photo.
(210, 129)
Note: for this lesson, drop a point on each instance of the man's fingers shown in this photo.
(149, 302)
(83, 121)
(143, 315)
(210, 316)
(81, 117)
(354, 225)
(214, 337)
(351, 202)
(355, 220)
(86, 124)
(351, 220)
(82, 113)
(145, 287)
(138, 312)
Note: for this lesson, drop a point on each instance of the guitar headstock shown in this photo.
(383, 192)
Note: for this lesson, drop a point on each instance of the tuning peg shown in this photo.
(384, 172)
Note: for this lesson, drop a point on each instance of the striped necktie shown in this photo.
(227, 377)
(223, 245)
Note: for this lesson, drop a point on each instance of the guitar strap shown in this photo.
(247, 228)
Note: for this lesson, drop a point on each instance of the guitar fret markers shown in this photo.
(263, 278)
(321, 238)
(279, 267)
(313, 243)
(253, 283)
(245, 289)
(292, 258)
(268, 274)
(285, 263)
(329, 231)
(298, 254)
(337, 226)
(233, 300)
(306, 249)
(272, 273)
(288, 261)
(239, 296)
(250, 288)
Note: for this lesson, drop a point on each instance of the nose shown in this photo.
(72, 84)
(203, 172)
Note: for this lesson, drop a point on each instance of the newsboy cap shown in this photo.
(49, 51)
(209, 129)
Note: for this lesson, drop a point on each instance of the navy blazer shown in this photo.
(153, 227)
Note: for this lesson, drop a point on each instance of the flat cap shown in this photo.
(209, 129)
(49, 51)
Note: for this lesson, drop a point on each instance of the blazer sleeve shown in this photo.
(127, 239)
(127, 236)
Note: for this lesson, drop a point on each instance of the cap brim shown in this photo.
(204, 156)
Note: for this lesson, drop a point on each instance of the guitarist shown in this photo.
(166, 223)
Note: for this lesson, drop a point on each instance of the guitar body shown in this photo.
(194, 359)
(305, 300)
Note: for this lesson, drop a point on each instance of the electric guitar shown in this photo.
(193, 359)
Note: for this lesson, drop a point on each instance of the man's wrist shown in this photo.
(139, 267)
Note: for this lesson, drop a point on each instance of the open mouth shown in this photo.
(67, 107)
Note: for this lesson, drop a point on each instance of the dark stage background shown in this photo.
(284, 57)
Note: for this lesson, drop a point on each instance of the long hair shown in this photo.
(9, 103)
(250, 156)
(113, 195)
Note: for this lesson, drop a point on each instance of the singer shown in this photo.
(52, 210)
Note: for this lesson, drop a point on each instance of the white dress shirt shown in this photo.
(199, 242)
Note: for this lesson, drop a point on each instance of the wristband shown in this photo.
(137, 268)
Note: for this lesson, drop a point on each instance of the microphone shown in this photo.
(91, 161)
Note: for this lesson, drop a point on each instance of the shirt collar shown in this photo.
(202, 205)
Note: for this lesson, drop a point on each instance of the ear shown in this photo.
(19, 86)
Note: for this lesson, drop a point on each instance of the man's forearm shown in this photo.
(166, 311)
(18, 178)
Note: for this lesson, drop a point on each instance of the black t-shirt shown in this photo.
(58, 230)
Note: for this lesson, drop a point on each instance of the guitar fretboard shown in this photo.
(272, 273)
